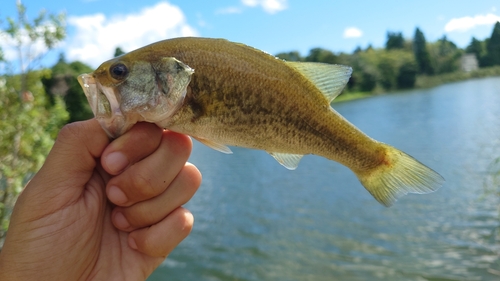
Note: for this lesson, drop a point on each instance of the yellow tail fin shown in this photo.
(399, 175)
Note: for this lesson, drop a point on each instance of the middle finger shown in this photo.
(152, 211)
(152, 175)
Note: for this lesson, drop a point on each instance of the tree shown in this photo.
(290, 56)
(63, 83)
(407, 75)
(476, 47)
(388, 71)
(365, 73)
(445, 55)
(119, 52)
(46, 29)
(28, 121)
(422, 55)
(321, 55)
(395, 40)
(493, 46)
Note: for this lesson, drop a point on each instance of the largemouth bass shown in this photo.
(229, 94)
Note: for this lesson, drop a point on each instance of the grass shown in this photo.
(436, 80)
(352, 96)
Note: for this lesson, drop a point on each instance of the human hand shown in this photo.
(64, 226)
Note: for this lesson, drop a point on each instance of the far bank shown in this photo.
(425, 81)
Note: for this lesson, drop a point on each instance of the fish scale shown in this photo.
(241, 96)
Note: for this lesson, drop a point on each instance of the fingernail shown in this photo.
(116, 195)
(131, 243)
(116, 162)
(120, 221)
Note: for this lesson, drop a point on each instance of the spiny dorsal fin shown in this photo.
(214, 145)
(289, 161)
(329, 78)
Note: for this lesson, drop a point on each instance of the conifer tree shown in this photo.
(493, 46)
(395, 40)
(422, 55)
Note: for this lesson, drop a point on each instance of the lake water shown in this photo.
(255, 220)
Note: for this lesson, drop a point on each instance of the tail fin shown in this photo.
(399, 175)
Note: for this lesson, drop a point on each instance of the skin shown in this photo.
(101, 210)
(244, 97)
(237, 91)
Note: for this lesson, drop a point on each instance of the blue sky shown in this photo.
(97, 27)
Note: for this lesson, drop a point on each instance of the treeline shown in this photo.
(403, 61)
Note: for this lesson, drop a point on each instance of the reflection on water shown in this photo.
(255, 220)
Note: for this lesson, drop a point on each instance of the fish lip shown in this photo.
(117, 115)
(105, 106)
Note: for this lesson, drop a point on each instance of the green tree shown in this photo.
(365, 73)
(422, 56)
(478, 48)
(380, 69)
(395, 40)
(290, 56)
(388, 70)
(48, 29)
(445, 55)
(63, 83)
(493, 46)
(367, 79)
(407, 75)
(28, 121)
(321, 55)
(119, 52)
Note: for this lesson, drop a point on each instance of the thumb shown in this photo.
(71, 161)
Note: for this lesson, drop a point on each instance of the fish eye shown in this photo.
(118, 71)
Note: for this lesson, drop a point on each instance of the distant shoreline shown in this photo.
(425, 82)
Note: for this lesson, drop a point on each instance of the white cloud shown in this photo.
(96, 36)
(270, 6)
(467, 23)
(352, 32)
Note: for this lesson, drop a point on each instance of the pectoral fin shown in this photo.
(214, 145)
(289, 161)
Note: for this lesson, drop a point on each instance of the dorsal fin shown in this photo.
(329, 78)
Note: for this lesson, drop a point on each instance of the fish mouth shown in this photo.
(117, 108)
(105, 106)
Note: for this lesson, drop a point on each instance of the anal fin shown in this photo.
(289, 161)
(214, 145)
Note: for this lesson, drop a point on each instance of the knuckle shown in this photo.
(69, 131)
(180, 144)
(194, 175)
(147, 245)
(141, 215)
(148, 135)
(143, 186)
(191, 178)
(184, 221)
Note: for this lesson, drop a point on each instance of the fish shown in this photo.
(224, 94)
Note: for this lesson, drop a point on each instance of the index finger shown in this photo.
(139, 142)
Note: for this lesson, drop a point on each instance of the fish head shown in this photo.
(124, 91)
